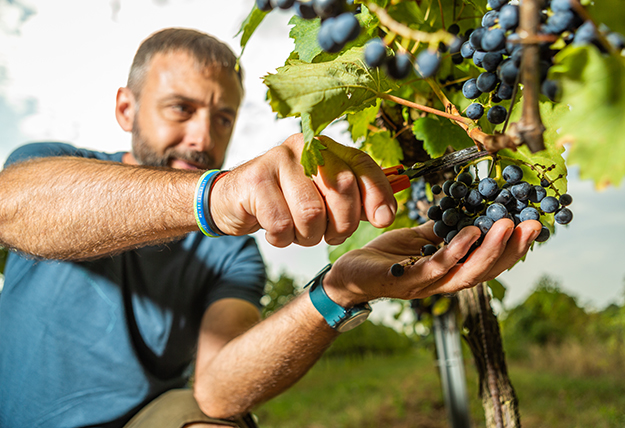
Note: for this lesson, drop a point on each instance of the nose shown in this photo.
(197, 135)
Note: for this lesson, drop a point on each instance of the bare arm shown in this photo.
(236, 372)
(76, 208)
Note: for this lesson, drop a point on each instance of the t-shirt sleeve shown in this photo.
(44, 150)
(241, 273)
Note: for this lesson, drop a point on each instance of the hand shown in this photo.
(273, 193)
(363, 275)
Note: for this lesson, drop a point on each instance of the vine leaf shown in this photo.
(324, 91)
(498, 289)
(383, 148)
(437, 134)
(250, 24)
(360, 120)
(594, 88)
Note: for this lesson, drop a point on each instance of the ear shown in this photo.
(125, 108)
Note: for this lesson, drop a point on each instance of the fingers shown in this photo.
(517, 246)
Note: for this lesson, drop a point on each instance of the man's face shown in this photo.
(185, 116)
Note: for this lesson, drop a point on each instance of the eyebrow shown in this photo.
(182, 98)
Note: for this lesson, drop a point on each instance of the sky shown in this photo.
(62, 61)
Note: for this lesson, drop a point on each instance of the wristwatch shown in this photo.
(339, 318)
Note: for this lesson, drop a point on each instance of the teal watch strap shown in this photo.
(339, 318)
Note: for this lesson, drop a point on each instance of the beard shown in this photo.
(145, 154)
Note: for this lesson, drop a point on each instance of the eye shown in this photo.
(225, 121)
(182, 109)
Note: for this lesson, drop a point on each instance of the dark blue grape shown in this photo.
(490, 18)
(305, 10)
(428, 63)
(585, 34)
(561, 5)
(488, 187)
(398, 67)
(559, 22)
(475, 39)
(509, 17)
(551, 89)
(497, 4)
(467, 50)
(325, 39)
(487, 81)
(496, 211)
(464, 222)
(504, 197)
(328, 8)
(474, 198)
(508, 72)
(566, 200)
(397, 270)
(497, 114)
(475, 111)
(451, 236)
(454, 29)
(435, 213)
(504, 91)
(458, 190)
(375, 53)
(543, 235)
(428, 250)
(549, 204)
(284, 4)
(521, 191)
(465, 177)
(516, 57)
(563, 216)
(491, 61)
(345, 29)
(512, 174)
(470, 90)
(446, 186)
(478, 57)
(484, 223)
(441, 229)
(516, 206)
(545, 182)
(437, 189)
(494, 40)
(537, 194)
(264, 5)
(447, 202)
(529, 213)
(513, 43)
(451, 216)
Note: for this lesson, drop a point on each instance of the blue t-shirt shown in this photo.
(90, 343)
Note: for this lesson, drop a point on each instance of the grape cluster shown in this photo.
(339, 24)
(471, 202)
(495, 47)
(418, 202)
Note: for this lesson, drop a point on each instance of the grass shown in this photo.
(403, 391)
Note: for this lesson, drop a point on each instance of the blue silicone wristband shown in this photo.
(199, 206)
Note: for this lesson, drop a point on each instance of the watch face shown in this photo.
(355, 319)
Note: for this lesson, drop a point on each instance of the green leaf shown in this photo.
(383, 148)
(304, 34)
(312, 157)
(407, 12)
(498, 289)
(360, 120)
(437, 134)
(594, 88)
(250, 24)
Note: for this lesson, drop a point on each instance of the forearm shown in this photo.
(75, 208)
(264, 361)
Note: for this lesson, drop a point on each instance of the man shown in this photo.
(111, 292)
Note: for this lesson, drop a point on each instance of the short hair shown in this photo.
(206, 50)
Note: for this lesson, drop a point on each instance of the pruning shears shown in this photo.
(399, 176)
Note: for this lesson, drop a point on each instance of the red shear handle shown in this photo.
(398, 182)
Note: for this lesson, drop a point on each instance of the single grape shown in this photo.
(509, 17)
(487, 81)
(478, 57)
(537, 194)
(451, 216)
(398, 67)
(549, 204)
(450, 236)
(516, 206)
(475, 111)
(561, 5)
(474, 198)
(467, 50)
(483, 223)
(493, 40)
(345, 29)
(508, 72)
(284, 4)
(543, 235)
(545, 182)
(561, 21)
(435, 213)
(516, 57)
(458, 190)
(465, 177)
(470, 90)
(264, 5)
(305, 10)
(375, 53)
(491, 61)
(496, 211)
(476, 38)
(464, 222)
(427, 63)
(497, 4)
(563, 216)
(550, 89)
(521, 191)
(529, 213)
(454, 29)
(497, 114)
(504, 197)
(437, 189)
(513, 43)
(327, 8)
(488, 187)
(447, 202)
(397, 270)
(325, 39)
(512, 174)
(441, 229)
(490, 18)
(504, 91)
(585, 34)
(566, 200)
(446, 186)
(428, 249)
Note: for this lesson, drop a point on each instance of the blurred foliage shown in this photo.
(278, 292)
